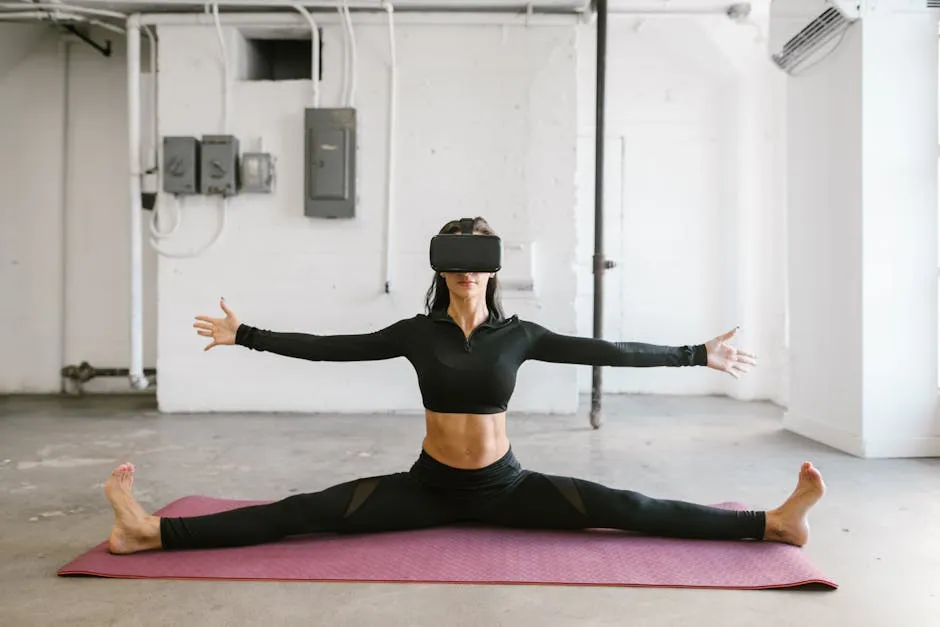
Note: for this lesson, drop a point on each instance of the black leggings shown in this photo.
(433, 494)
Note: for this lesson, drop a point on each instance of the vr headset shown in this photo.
(466, 252)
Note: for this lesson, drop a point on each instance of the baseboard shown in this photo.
(912, 446)
(870, 448)
(845, 441)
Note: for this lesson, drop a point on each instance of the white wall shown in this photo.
(692, 206)
(64, 301)
(487, 126)
(863, 234)
(899, 234)
(825, 168)
(536, 173)
(31, 96)
(18, 40)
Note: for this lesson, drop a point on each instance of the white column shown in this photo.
(862, 214)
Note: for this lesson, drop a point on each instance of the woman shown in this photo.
(466, 354)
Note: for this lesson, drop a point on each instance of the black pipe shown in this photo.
(85, 372)
(600, 264)
(105, 49)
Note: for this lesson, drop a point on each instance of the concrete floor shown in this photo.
(876, 533)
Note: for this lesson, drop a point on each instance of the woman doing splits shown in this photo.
(466, 354)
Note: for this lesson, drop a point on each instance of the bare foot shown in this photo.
(788, 523)
(134, 530)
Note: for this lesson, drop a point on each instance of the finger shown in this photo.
(746, 359)
(204, 333)
(747, 354)
(208, 319)
(730, 334)
(209, 346)
(225, 308)
(203, 325)
(741, 369)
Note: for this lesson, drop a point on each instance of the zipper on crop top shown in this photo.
(466, 338)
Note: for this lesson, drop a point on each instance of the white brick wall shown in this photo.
(521, 155)
(487, 126)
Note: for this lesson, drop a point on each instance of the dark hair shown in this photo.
(438, 296)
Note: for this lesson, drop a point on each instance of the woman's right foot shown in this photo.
(788, 523)
(134, 530)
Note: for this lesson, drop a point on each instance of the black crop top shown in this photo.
(468, 375)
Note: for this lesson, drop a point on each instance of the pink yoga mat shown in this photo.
(478, 555)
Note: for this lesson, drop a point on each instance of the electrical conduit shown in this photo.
(136, 374)
(392, 123)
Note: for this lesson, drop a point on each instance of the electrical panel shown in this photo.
(180, 165)
(219, 165)
(330, 163)
(257, 172)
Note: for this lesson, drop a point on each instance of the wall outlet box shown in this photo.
(257, 172)
(219, 165)
(180, 165)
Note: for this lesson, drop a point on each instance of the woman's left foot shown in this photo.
(788, 523)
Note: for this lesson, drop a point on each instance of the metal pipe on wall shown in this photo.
(137, 377)
(600, 264)
(64, 204)
(402, 6)
(84, 372)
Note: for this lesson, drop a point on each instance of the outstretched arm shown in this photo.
(383, 344)
(386, 343)
(716, 353)
(568, 349)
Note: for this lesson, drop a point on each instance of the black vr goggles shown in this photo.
(466, 252)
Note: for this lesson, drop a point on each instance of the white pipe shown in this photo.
(57, 15)
(351, 47)
(106, 26)
(60, 7)
(154, 98)
(315, 45)
(136, 371)
(292, 19)
(665, 12)
(390, 165)
(223, 53)
(40, 15)
(64, 206)
(158, 213)
(574, 7)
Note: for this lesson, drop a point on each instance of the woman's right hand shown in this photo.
(221, 330)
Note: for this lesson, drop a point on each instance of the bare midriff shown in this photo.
(466, 441)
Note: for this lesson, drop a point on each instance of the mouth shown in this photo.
(465, 283)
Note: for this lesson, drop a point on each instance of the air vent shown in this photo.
(828, 24)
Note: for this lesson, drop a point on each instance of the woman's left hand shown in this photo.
(726, 358)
